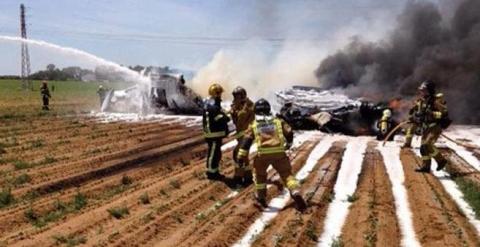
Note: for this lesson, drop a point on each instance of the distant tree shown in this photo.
(51, 67)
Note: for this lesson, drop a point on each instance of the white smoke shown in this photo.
(262, 71)
(259, 72)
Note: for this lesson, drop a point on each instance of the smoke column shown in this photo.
(428, 42)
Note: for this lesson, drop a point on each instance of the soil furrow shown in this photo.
(437, 219)
(372, 219)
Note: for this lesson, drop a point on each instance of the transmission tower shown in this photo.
(26, 83)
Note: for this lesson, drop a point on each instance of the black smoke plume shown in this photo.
(423, 45)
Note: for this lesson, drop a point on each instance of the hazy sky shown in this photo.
(180, 33)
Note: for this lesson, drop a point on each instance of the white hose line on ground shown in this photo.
(344, 186)
(452, 189)
(277, 203)
(464, 153)
(394, 167)
(471, 133)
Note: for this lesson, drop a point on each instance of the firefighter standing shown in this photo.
(273, 137)
(385, 124)
(45, 95)
(102, 92)
(242, 113)
(215, 128)
(431, 115)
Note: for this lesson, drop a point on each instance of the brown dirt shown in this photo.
(165, 160)
(372, 220)
(437, 219)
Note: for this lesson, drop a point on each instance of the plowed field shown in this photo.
(97, 181)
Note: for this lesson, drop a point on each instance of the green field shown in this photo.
(67, 97)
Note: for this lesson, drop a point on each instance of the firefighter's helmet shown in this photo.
(239, 92)
(215, 90)
(262, 107)
(428, 87)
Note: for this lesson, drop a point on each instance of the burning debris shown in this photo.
(425, 44)
(312, 108)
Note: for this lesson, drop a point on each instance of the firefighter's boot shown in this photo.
(441, 161)
(237, 181)
(214, 176)
(300, 203)
(425, 166)
(260, 198)
(247, 178)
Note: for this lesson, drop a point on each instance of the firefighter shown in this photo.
(215, 128)
(385, 124)
(102, 92)
(430, 114)
(242, 113)
(273, 137)
(45, 95)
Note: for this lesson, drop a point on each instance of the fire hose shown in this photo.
(394, 130)
(443, 135)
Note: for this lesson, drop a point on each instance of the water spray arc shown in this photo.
(26, 83)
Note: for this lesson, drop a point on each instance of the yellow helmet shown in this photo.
(215, 90)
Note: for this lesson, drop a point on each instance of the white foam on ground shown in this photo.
(344, 186)
(393, 165)
(465, 154)
(107, 117)
(471, 133)
(277, 203)
(452, 189)
(228, 145)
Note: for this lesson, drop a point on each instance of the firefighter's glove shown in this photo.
(418, 118)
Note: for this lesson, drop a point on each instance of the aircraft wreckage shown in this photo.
(304, 108)
(309, 108)
(167, 93)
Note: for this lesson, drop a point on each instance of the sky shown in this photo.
(184, 33)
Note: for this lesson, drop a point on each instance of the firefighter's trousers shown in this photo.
(428, 149)
(214, 154)
(281, 164)
(409, 134)
(240, 171)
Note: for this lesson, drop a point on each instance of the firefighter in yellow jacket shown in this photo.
(242, 114)
(273, 137)
(431, 115)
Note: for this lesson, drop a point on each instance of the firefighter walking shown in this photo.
(242, 114)
(273, 137)
(215, 128)
(430, 114)
(45, 95)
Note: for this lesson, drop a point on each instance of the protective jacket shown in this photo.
(430, 112)
(45, 92)
(272, 136)
(215, 120)
(242, 113)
